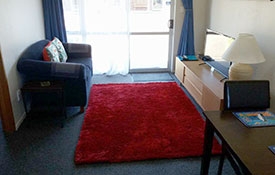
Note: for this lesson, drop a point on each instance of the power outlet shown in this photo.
(18, 94)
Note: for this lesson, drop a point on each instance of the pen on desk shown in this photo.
(261, 117)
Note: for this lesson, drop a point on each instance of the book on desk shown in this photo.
(188, 58)
(256, 118)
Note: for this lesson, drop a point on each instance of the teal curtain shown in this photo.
(186, 44)
(54, 20)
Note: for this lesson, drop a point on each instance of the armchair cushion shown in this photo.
(50, 53)
(60, 48)
(43, 70)
(78, 50)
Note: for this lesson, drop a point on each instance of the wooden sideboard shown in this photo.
(202, 83)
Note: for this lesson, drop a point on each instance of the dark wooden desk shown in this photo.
(249, 146)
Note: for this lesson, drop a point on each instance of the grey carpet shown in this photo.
(44, 148)
(105, 79)
(143, 77)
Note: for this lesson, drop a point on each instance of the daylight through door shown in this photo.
(149, 34)
(126, 35)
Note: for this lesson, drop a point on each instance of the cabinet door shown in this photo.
(194, 92)
(210, 102)
(179, 72)
(194, 86)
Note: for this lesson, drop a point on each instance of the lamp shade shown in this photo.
(244, 50)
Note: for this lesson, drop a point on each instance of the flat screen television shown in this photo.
(216, 44)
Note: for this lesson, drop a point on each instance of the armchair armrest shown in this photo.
(51, 70)
(74, 50)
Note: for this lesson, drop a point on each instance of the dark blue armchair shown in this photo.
(76, 72)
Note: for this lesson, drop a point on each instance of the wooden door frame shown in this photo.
(6, 113)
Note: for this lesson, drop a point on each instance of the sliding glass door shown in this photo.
(104, 25)
(149, 34)
(126, 35)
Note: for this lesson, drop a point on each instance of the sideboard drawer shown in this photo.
(179, 72)
(203, 84)
(196, 93)
(193, 79)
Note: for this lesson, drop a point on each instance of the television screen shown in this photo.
(216, 44)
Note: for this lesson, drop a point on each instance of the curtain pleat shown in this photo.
(54, 20)
(186, 44)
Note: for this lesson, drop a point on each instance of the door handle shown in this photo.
(170, 24)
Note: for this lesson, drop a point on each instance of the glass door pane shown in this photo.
(149, 34)
(148, 51)
(124, 34)
(104, 25)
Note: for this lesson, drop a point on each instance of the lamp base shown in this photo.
(238, 71)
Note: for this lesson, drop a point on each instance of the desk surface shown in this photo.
(249, 144)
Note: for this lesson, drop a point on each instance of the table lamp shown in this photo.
(243, 52)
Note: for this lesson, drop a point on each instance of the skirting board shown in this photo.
(20, 121)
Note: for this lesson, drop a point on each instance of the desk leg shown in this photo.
(207, 147)
(63, 108)
(24, 101)
(27, 111)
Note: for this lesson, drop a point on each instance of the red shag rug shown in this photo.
(139, 121)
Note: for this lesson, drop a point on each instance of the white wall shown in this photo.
(21, 25)
(256, 17)
(200, 22)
